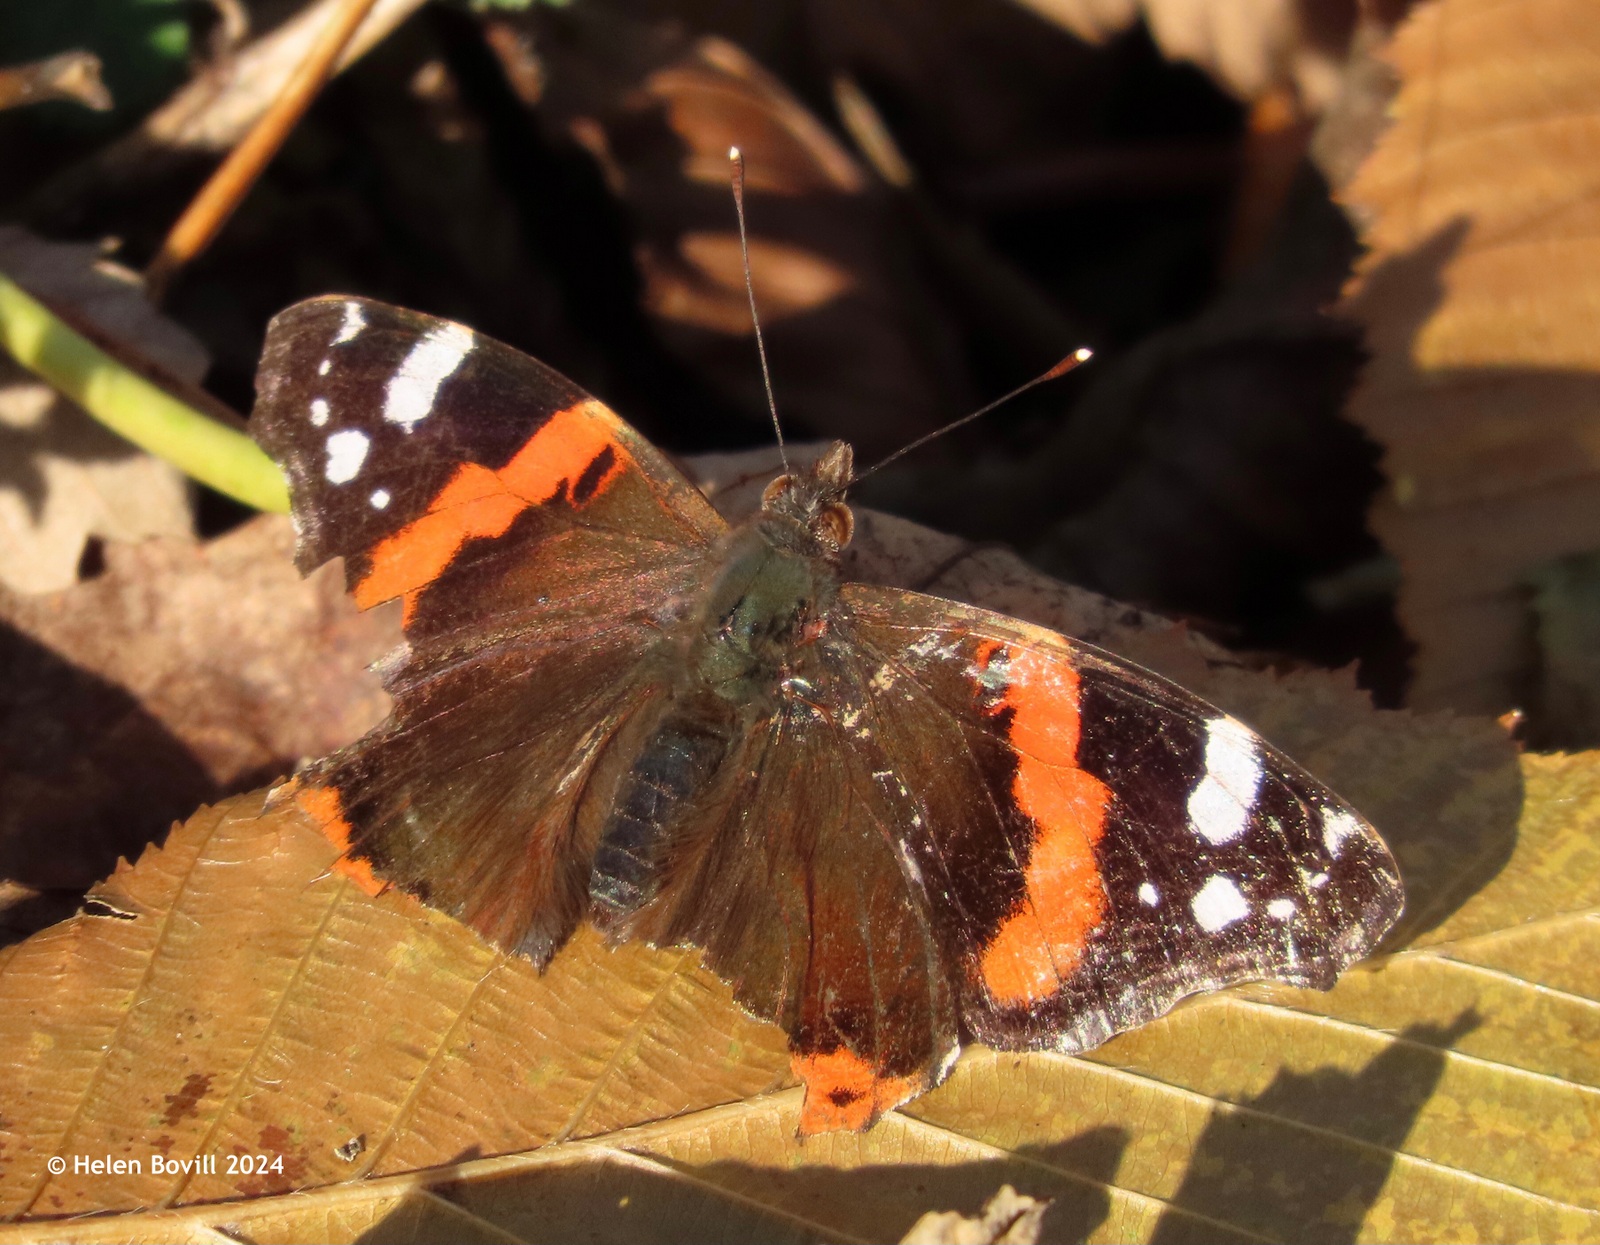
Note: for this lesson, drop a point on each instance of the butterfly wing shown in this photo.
(959, 826)
(948, 825)
(790, 870)
(540, 548)
(1134, 845)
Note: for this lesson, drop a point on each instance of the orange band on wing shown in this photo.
(1064, 899)
(323, 806)
(845, 1094)
(478, 502)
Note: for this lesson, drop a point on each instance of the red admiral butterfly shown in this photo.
(893, 823)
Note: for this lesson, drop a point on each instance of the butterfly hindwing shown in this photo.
(792, 874)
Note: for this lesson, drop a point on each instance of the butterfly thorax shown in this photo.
(743, 657)
(778, 579)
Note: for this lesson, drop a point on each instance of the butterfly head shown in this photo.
(813, 498)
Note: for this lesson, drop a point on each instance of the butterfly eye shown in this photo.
(775, 490)
(835, 525)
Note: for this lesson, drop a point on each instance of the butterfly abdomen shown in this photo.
(678, 761)
(737, 655)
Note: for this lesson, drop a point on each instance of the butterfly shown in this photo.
(893, 823)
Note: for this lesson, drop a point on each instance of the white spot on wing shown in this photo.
(1219, 903)
(324, 367)
(347, 450)
(1149, 896)
(1319, 880)
(412, 390)
(1219, 806)
(319, 412)
(1281, 909)
(354, 321)
(379, 499)
(1338, 824)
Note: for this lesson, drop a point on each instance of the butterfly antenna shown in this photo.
(736, 158)
(1081, 355)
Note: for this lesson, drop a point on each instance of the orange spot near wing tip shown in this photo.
(844, 1093)
(1064, 899)
(323, 806)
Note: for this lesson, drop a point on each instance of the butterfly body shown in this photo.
(740, 651)
(893, 823)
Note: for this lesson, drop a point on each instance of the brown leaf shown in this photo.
(1249, 48)
(260, 1003)
(71, 76)
(229, 995)
(855, 352)
(1210, 468)
(216, 109)
(64, 477)
(183, 672)
(1479, 296)
(1229, 477)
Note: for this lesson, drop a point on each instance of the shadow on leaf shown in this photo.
(1307, 1158)
(90, 774)
(626, 1199)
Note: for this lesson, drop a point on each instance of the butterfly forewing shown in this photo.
(541, 548)
(414, 445)
(1155, 847)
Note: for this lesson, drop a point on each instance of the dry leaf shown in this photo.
(183, 672)
(855, 352)
(1229, 478)
(256, 1002)
(71, 76)
(1248, 46)
(230, 995)
(1480, 295)
(216, 109)
(64, 477)
(1211, 468)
